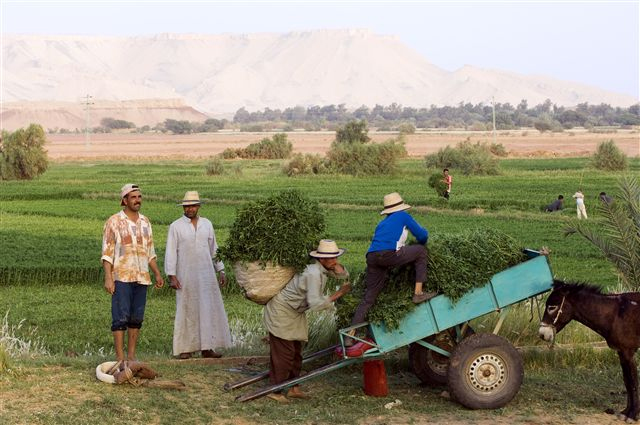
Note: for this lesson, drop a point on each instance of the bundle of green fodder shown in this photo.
(281, 229)
(457, 264)
(270, 240)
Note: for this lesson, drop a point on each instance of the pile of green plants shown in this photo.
(281, 229)
(436, 181)
(470, 158)
(457, 263)
(277, 147)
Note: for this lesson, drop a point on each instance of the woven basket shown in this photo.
(261, 283)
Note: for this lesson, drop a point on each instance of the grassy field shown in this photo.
(51, 286)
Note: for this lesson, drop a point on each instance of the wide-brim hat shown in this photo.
(127, 189)
(393, 203)
(190, 198)
(327, 249)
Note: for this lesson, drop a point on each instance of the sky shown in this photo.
(591, 42)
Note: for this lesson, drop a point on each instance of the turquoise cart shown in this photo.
(482, 370)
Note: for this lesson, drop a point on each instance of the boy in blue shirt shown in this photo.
(388, 250)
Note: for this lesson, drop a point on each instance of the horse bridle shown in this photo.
(559, 311)
(553, 324)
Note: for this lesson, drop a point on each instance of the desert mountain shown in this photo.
(217, 74)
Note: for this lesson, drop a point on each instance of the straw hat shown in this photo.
(127, 189)
(327, 249)
(393, 203)
(191, 198)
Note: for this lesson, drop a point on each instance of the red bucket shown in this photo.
(375, 378)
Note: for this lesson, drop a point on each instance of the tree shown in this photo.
(618, 237)
(22, 154)
(178, 127)
(114, 124)
(353, 132)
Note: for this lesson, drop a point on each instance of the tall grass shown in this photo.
(15, 341)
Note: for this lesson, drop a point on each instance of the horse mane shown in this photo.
(577, 287)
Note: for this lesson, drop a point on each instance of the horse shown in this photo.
(616, 317)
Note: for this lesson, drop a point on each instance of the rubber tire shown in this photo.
(429, 366)
(492, 354)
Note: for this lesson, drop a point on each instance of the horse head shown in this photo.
(558, 310)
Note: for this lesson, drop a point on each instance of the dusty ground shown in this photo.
(517, 143)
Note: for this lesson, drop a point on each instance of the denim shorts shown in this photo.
(127, 305)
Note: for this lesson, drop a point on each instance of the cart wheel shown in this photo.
(429, 366)
(485, 372)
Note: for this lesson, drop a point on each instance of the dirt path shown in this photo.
(517, 143)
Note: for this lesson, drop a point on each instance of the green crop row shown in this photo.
(51, 227)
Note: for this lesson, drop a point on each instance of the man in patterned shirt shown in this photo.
(127, 255)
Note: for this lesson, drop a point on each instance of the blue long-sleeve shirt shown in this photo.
(391, 233)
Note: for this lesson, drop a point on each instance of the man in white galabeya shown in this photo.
(190, 263)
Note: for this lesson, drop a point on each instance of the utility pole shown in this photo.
(87, 102)
(493, 106)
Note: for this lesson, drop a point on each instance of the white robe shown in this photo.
(201, 322)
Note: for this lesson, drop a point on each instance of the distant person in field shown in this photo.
(605, 198)
(194, 272)
(388, 250)
(446, 178)
(556, 205)
(285, 314)
(580, 207)
(127, 255)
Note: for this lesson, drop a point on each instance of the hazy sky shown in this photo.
(592, 42)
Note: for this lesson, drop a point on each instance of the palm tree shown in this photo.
(618, 236)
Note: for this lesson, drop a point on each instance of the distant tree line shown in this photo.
(405, 119)
(545, 116)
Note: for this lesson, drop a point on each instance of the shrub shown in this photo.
(214, 167)
(360, 159)
(436, 181)
(407, 128)
(469, 158)
(282, 229)
(305, 164)
(230, 153)
(278, 147)
(609, 157)
(498, 149)
(22, 154)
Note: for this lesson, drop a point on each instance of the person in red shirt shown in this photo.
(447, 179)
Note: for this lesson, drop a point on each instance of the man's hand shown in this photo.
(159, 281)
(174, 282)
(345, 288)
(222, 279)
(109, 284)
(338, 269)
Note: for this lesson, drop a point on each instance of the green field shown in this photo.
(50, 237)
(51, 295)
